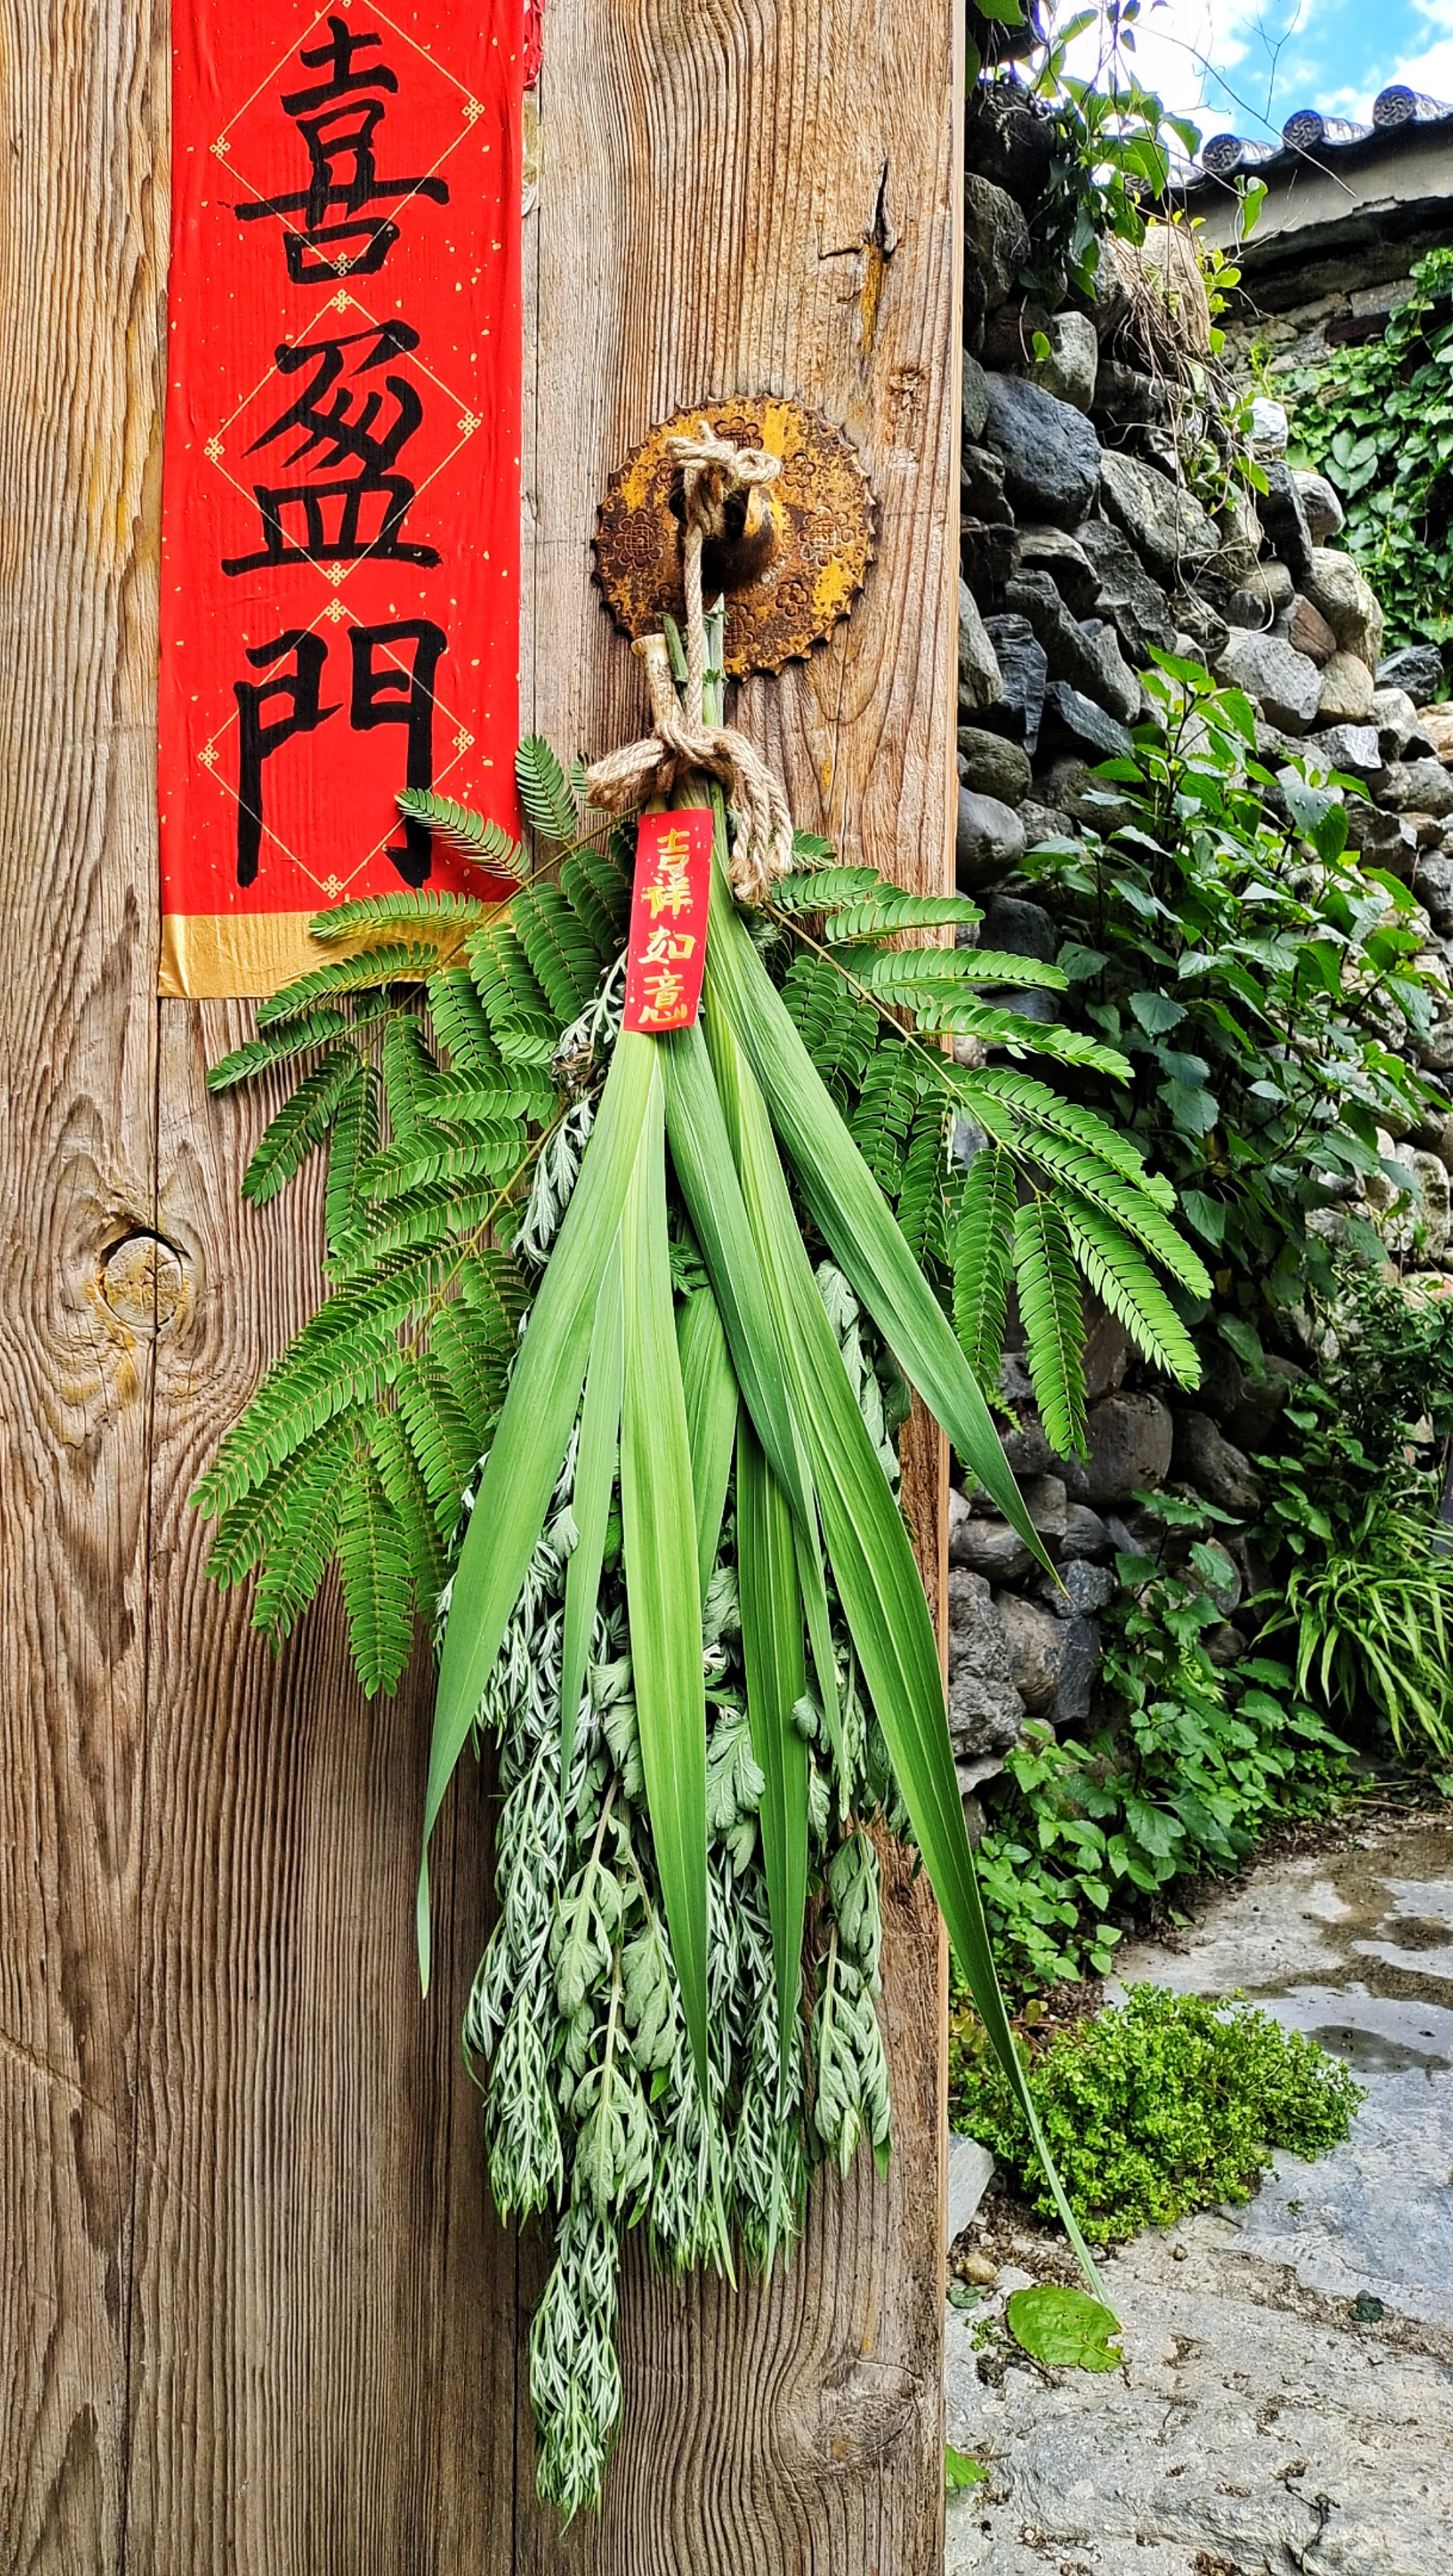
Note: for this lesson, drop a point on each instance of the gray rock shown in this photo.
(1104, 736)
(1209, 1461)
(989, 1547)
(1271, 586)
(1045, 823)
(980, 683)
(981, 484)
(994, 766)
(996, 245)
(986, 556)
(1081, 1589)
(990, 839)
(1205, 628)
(1130, 1449)
(1046, 1502)
(1346, 690)
(1078, 1666)
(1106, 1353)
(1085, 1538)
(1284, 682)
(1282, 513)
(1127, 594)
(1307, 631)
(984, 1709)
(1321, 508)
(1036, 1645)
(1418, 668)
(1129, 398)
(1355, 747)
(1415, 786)
(1381, 836)
(1074, 356)
(1016, 928)
(1347, 601)
(1247, 1407)
(976, 399)
(1225, 1645)
(970, 2172)
(1167, 527)
(1396, 719)
(1433, 886)
(1086, 655)
(1024, 674)
(1055, 551)
(1067, 783)
(1051, 454)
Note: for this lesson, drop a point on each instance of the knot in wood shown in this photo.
(143, 1282)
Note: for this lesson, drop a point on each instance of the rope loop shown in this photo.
(713, 473)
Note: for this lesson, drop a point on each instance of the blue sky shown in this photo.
(1243, 66)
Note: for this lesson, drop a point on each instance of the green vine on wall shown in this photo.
(1377, 420)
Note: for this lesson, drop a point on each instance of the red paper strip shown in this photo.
(668, 920)
(340, 549)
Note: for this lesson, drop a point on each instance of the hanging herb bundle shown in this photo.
(619, 1329)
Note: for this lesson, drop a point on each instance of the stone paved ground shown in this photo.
(1286, 2408)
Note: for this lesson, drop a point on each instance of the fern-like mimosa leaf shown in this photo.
(545, 791)
(464, 830)
(400, 961)
(300, 1125)
(376, 1579)
(982, 1261)
(1052, 1314)
(1123, 1281)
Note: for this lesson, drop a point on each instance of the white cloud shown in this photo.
(1187, 50)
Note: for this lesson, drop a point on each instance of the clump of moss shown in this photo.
(1163, 2104)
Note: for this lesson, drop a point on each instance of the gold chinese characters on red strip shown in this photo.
(668, 920)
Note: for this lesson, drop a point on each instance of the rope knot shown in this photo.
(713, 473)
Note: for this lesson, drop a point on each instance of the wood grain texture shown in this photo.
(79, 342)
(323, 2318)
(747, 196)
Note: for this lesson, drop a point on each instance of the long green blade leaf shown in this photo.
(850, 1209)
(776, 1678)
(595, 1474)
(709, 1385)
(534, 1431)
(699, 1122)
(658, 1515)
(877, 1579)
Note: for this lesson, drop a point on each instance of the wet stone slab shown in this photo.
(1287, 2400)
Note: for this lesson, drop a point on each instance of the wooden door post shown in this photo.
(746, 197)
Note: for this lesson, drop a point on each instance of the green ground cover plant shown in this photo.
(1161, 2105)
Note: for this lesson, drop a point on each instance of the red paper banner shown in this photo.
(669, 902)
(341, 494)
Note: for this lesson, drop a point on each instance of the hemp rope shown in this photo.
(713, 472)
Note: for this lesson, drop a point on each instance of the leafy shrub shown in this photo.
(1225, 939)
(1165, 2104)
(1378, 422)
(1193, 1770)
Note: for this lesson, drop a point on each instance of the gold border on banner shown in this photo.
(243, 956)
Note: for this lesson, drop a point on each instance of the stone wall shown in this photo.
(1081, 548)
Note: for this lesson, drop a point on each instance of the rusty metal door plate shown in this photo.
(791, 567)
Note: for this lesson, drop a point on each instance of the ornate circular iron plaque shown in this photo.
(790, 570)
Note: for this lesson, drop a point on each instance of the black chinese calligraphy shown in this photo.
(338, 120)
(341, 518)
(392, 683)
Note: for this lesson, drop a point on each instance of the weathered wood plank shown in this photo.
(323, 2333)
(765, 198)
(79, 342)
